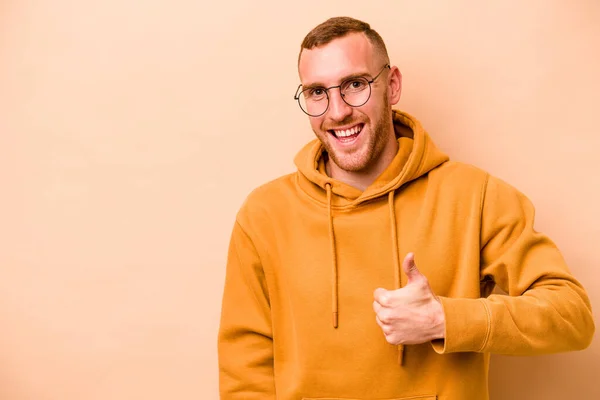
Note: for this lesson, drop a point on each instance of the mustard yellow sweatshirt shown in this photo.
(307, 253)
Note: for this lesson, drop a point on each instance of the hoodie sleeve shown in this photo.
(245, 341)
(545, 310)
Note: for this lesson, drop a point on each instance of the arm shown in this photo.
(245, 343)
(546, 309)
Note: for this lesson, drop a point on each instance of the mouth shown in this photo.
(347, 134)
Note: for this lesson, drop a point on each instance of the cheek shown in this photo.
(375, 107)
(316, 124)
(371, 112)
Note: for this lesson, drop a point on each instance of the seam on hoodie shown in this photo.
(268, 274)
(488, 325)
(485, 306)
(484, 188)
(482, 201)
(244, 273)
(260, 249)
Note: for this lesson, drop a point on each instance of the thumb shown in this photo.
(410, 268)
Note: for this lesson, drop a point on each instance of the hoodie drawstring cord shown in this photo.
(396, 257)
(334, 299)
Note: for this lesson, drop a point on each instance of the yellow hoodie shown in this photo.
(307, 252)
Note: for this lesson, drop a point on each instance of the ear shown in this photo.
(395, 85)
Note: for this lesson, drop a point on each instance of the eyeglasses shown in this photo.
(355, 92)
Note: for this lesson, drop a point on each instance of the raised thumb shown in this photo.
(410, 268)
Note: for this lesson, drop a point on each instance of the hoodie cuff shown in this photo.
(467, 326)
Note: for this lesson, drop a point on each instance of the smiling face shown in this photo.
(357, 139)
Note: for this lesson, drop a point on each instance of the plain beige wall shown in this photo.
(130, 133)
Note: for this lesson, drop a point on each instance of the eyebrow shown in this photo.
(344, 79)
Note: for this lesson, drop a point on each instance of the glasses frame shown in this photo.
(342, 95)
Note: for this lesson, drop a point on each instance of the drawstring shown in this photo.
(334, 297)
(334, 271)
(396, 256)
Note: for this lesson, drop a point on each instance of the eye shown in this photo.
(355, 85)
(315, 93)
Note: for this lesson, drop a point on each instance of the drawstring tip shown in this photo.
(335, 320)
(400, 354)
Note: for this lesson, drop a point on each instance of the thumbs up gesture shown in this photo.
(412, 314)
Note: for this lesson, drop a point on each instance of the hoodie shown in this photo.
(307, 253)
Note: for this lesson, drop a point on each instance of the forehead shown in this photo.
(341, 57)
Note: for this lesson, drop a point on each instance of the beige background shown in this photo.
(130, 133)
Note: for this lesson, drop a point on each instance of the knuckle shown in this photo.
(385, 317)
(384, 300)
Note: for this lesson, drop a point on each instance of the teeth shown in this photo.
(347, 132)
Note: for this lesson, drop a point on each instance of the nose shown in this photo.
(338, 109)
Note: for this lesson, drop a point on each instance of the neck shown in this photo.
(363, 179)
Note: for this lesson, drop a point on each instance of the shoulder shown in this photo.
(468, 180)
(459, 175)
(265, 198)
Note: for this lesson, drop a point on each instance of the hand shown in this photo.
(412, 314)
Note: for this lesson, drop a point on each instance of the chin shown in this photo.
(351, 162)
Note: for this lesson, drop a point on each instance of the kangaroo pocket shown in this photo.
(395, 398)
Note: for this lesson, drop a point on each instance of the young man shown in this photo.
(368, 273)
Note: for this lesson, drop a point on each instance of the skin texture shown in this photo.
(412, 314)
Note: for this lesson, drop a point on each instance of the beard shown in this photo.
(362, 159)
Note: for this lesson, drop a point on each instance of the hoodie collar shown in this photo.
(416, 156)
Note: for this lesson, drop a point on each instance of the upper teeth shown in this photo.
(347, 132)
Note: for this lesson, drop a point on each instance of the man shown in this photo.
(368, 273)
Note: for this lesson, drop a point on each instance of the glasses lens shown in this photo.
(356, 91)
(314, 101)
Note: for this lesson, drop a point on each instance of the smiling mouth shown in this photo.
(347, 134)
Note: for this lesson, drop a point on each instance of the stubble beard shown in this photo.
(363, 158)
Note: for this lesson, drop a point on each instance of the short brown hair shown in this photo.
(338, 27)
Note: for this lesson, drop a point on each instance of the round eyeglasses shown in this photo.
(355, 92)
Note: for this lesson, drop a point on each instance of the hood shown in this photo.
(417, 156)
